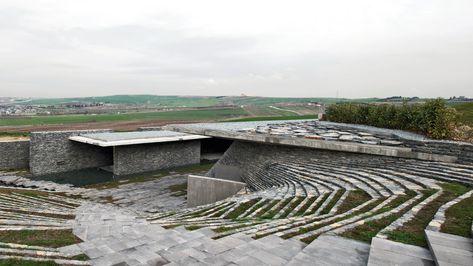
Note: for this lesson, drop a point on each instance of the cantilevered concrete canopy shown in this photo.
(112, 139)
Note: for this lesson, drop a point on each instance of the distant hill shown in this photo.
(190, 101)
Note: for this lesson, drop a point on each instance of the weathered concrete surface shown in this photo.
(333, 250)
(53, 152)
(227, 172)
(385, 252)
(450, 249)
(203, 190)
(150, 157)
(14, 154)
(113, 139)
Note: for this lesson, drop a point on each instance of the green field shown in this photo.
(465, 111)
(187, 115)
(189, 101)
(272, 118)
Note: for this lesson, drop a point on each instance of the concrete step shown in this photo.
(332, 250)
(385, 252)
(450, 249)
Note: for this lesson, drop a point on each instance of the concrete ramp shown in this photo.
(204, 190)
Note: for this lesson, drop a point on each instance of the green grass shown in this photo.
(271, 213)
(302, 210)
(14, 134)
(169, 101)
(17, 262)
(334, 201)
(193, 227)
(190, 101)
(412, 232)
(187, 115)
(272, 118)
(354, 199)
(44, 238)
(459, 218)
(369, 229)
(319, 204)
(242, 208)
(465, 111)
(292, 206)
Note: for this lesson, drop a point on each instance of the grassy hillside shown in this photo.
(188, 115)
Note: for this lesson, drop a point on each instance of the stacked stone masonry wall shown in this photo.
(149, 157)
(53, 152)
(14, 154)
(463, 151)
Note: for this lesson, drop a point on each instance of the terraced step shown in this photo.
(332, 250)
(450, 249)
(385, 252)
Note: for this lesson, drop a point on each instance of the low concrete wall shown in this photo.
(204, 190)
(53, 152)
(134, 159)
(14, 154)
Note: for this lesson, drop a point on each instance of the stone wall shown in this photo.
(14, 154)
(53, 152)
(463, 151)
(204, 190)
(149, 157)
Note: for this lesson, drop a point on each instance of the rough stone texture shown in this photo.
(14, 154)
(204, 190)
(149, 157)
(463, 151)
(337, 137)
(53, 152)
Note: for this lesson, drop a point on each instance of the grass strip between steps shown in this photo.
(412, 232)
(458, 218)
(44, 238)
(369, 229)
(334, 201)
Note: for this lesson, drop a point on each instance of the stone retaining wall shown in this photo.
(463, 151)
(53, 152)
(149, 157)
(14, 154)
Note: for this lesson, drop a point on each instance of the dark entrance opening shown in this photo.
(212, 149)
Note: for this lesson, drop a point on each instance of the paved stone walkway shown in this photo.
(147, 197)
(113, 236)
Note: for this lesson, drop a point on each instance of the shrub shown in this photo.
(432, 118)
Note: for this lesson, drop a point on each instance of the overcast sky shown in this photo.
(297, 48)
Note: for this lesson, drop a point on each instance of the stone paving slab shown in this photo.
(385, 252)
(333, 250)
(449, 249)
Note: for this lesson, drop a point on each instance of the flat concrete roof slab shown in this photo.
(111, 139)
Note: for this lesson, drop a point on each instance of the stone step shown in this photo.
(385, 252)
(332, 250)
(450, 249)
